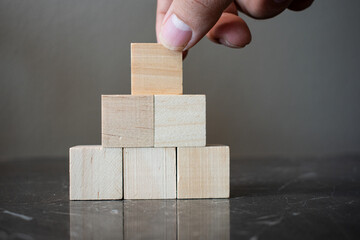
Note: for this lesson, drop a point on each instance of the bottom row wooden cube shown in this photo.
(203, 172)
(149, 173)
(95, 173)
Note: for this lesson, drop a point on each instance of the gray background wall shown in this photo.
(294, 91)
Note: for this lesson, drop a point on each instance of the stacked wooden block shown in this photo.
(153, 141)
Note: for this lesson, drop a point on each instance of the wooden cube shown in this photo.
(203, 172)
(95, 173)
(149, 173)
(155, 70)
(180, 120)
(127, 121)
(148, 121)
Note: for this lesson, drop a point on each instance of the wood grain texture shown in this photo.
(180, 120)
(155, 70)
(127, 121)
(203, 172)
(149, 173)
(95, 173)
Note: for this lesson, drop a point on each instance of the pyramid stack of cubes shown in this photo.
(153, 141)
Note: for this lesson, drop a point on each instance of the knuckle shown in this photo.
(208, 5)
(203, 3)
(210, 8)
(262, 9)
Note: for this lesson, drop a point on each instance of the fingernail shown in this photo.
(175, 34)
(229, 44)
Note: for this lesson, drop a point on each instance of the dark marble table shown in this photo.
(271, 198)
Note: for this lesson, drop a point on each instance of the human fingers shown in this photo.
(187, 21)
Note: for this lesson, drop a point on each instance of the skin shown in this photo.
(219, 20)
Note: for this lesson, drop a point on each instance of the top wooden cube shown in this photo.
(155, 70)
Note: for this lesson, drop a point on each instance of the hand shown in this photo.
(180, 24)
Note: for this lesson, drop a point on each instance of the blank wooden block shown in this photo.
(203, 172)
(127, 121)
(149, 173)
(155, 70)
(180, 120)
(95, 173)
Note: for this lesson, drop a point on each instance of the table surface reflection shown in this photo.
(271, 198)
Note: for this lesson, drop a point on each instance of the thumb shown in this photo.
(187, 21)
